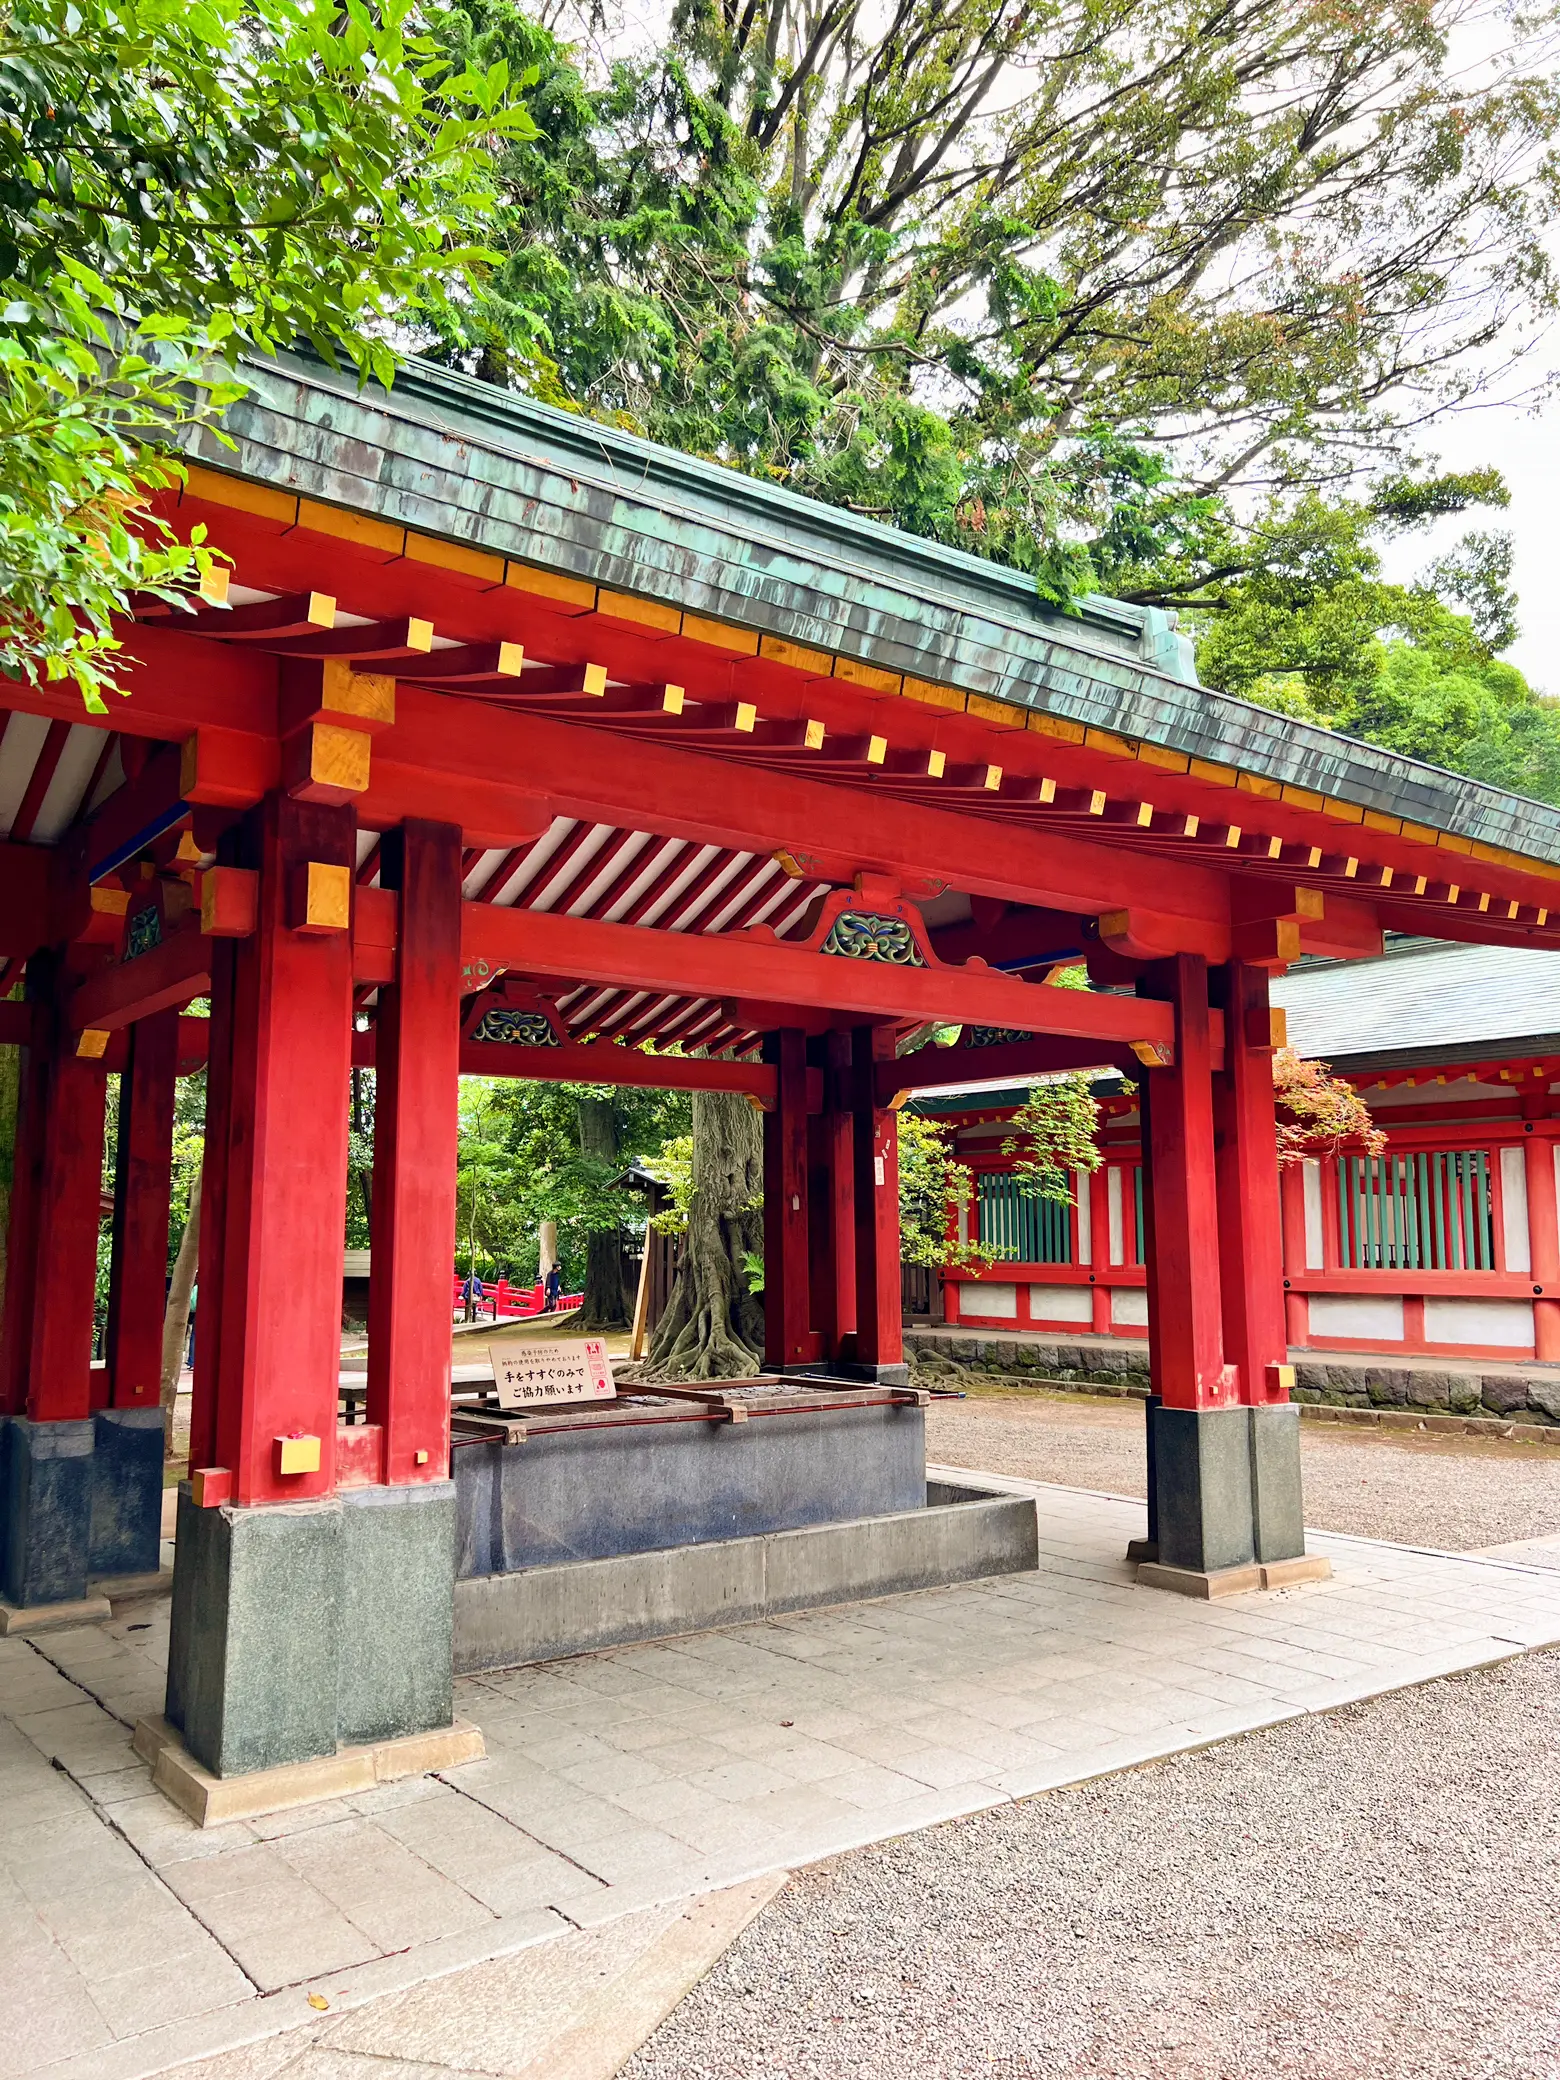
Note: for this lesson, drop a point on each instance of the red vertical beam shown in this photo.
(417, 1086)
(142, 1182)
(839, 1156)
(214, 1202)
(1291, 1195)
(1251, 1256)
(1185, 1328)
(1538, 1154)
(787, 1296)
(1097, 1185)
(284, 1216)
(21, 1266)
(875, 1147)
(69, 1208)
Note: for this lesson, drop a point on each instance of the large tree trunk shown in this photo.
(605, 1305)
(713, 1327)
(176, 1316)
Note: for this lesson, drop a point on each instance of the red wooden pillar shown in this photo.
(788, 1338)
(142, 1183)
(1251, 1263)
(416, 1116)
(1185, 1313)
(51, 1281)
(875, 1151)
(831, 1226)
(1297, 1311)
(281, 1056)
(1538, 1152)
(21, 1273)
(212, 1256)
(1097, 1185)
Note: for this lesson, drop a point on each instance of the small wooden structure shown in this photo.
(518, 742)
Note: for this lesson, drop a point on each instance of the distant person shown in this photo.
(552, 1286)
(475, 1295)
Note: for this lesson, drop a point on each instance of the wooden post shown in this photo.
(142, 1184)
(21, 1276)
(1538, 1153)
(416, 1121)
(831, 1214)
(1297, 1306)
(875, 1150)
(787, 1297)
(212, 1256)
(1097, 1185)
(56, 1206)
(1251, 1264)
(1186, 1331)
(283, 1022)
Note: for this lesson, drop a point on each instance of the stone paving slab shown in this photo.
(132, 1941)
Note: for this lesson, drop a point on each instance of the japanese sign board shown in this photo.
(527, 1373)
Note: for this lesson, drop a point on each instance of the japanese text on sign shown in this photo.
(578, 1370)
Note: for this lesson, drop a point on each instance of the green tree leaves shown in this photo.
(178, 183)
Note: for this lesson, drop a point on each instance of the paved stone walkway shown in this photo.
(130, 1941)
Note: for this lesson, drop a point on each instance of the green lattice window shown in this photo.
(1432, 1211)
(1020, 1228)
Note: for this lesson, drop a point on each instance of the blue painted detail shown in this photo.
(588, 1494)
(861, 935)
(143, 932)
(46, 1484)
(164, 820)
(127, 1491)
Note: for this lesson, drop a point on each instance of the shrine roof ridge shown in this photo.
(446, 455)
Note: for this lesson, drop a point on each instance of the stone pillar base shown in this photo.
(1226, 1494)
(46, 1511)
(47, 1617)
(1233, 1581)
(297, 1627)
(127, 1492)
(214, 1801)
(80, 1504)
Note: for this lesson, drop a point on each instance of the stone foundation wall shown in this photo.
(1123, 1370)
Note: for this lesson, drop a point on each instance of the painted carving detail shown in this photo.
(993, 1036)
(143, 932)
(512, 1027)
(860, 935)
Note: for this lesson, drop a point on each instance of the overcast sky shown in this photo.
(1526, 449)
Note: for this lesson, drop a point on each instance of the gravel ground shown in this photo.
(1370, 1893)
(1447, 1491)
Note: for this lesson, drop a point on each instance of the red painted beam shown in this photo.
(173, 973)
(27, 907)
(604, 1064)
(716, 966)
(930, 1068)
(132, 816)
(492, 763)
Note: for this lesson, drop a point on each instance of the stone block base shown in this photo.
(213, 1801)
(297, 1627)
(79, 1501)
(127, 1491)
(46, 1510)
(1233, 1581)
(45, 1617)
(1226, 1488)
(542, 1613)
